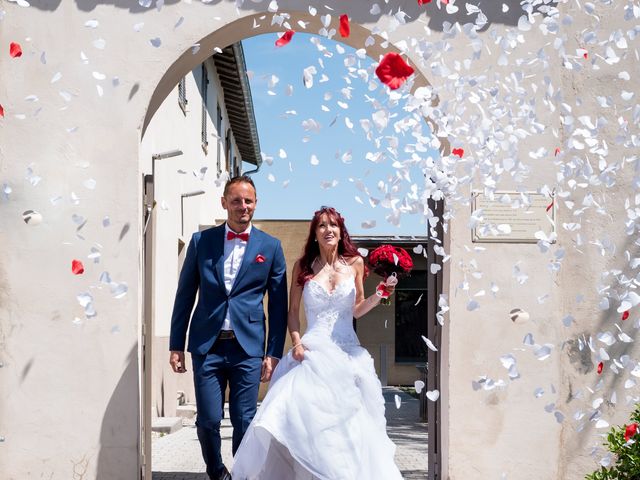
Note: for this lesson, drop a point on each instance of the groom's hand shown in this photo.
(268, 365)
(176, 359)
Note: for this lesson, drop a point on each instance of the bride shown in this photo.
(323, 417)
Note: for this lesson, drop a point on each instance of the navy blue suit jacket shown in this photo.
(203, 272)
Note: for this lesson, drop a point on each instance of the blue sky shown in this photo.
(292, 187)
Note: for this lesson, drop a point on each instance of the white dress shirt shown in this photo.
(233, 255)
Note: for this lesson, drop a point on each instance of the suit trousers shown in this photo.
(225, 364)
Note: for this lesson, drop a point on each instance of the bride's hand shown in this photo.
(298, 352)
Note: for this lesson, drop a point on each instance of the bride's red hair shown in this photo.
(346, 248)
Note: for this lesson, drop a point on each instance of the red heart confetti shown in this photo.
(423, 2)
(630, 431)
(76, 267)
(284, 39)
(557, 151)
(345, 29)
(15, 50)
(458, 151)
(600, 367)
(625, 315)
(393, 70)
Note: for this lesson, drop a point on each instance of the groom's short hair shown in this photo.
(238, 179)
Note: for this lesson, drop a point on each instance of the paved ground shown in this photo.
(177, 456)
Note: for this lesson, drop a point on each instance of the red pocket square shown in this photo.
(260, 258)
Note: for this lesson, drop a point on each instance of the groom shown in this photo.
(229, 268)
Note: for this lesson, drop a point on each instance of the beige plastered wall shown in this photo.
(69, 393)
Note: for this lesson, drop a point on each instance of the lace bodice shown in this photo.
(331, 313)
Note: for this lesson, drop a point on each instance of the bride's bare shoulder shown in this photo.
(356, 263)
(356, 260)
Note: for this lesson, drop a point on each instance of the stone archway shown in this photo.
(360, 36)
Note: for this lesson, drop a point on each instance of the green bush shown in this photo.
(627, 456)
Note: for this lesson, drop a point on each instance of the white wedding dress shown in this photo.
(322, 418)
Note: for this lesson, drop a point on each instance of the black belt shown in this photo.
(226, 335)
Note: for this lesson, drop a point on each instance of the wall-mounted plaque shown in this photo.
(512, 217)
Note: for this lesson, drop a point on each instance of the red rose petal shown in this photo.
(76, 267)
(600, 367)
(345, 29)
(423, 2)
(284, 39)
(458, 151)
(557, 151)
(393, 70)
(630, 431)
(1, 111)
(550, 206)
(15, 50)
(625, 315)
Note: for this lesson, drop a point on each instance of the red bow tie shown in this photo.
(242, 236)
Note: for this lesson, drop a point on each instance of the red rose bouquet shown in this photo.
(391, 263)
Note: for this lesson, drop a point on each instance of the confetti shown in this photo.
(285, 38)
(433, 395)
(31, 217)
(345, 29)
(429, 343)
(393, 71)
(76, 267)
(15, 50)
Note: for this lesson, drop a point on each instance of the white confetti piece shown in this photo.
(543, 352)
(368, 224)
(472, 305)
(429, 343)
(31, 217)
(518, 315)
(433, 395)
(119, 290)
(397, 400)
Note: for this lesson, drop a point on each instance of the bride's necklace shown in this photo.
(332, 271)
